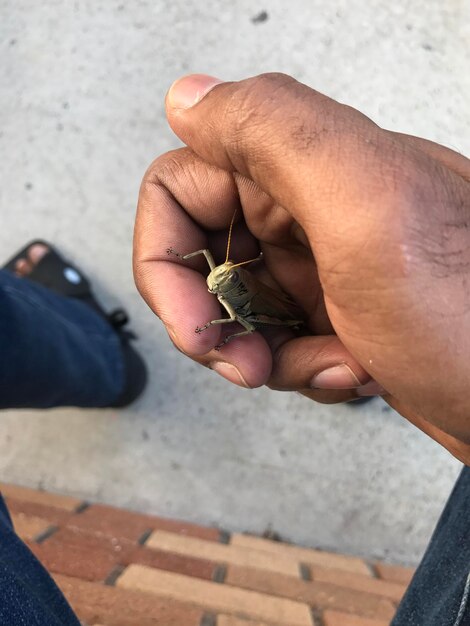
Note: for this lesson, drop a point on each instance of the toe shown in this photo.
(23, 267)
(36, 252)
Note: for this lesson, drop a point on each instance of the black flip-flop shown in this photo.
(57, 274)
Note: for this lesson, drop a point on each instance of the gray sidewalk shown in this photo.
(81, 116)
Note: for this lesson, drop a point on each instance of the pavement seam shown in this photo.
(112, 577)
(220, 574)
(305, 572)
(83, 506)
(46, 534)
(145, 535)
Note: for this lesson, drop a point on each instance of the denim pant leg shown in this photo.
(54, 351)
(28, 595)
(439, 592)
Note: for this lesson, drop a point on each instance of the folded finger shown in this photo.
(175, 213)
(316, 363)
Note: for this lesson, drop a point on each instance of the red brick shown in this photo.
(395, 573)
(357, 582)
(115, 522)
(230, 620)
(91, 541)
(40, 497)
(335, 618)
(310, 556)
(92, 557)
(29, 527)
(53, 515)
(72, 559)
(214, 597)
(199, 568)
(221, 553)
(95, 603)
(316, 594)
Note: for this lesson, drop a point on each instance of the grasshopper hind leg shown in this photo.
(249, 328)
(230, 337)
(234, 317)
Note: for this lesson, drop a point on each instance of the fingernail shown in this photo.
(189, 90)
(337, 377)
(372, 388)
(229, 372)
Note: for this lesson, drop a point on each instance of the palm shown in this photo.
(192, 210)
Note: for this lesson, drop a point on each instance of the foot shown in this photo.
(24, 266)
(45, 266)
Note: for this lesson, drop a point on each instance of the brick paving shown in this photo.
(120, 568)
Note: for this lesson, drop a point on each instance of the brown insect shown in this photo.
(246, 299)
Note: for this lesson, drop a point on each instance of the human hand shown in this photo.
(368, 230)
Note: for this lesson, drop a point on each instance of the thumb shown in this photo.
(283, 135)
(386, 223)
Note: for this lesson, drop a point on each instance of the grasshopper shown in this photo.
(247, 300)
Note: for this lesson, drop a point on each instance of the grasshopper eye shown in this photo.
(233, 277)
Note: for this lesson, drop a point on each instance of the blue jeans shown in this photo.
(28, 595)
(55, 351)
(439, 594)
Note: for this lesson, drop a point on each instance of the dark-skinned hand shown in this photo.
(368, 230)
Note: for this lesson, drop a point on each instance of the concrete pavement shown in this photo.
(81, 116)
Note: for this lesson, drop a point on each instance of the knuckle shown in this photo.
(253, 100)
(169, 167)
(252, 114)
(181, 175)
(253, 92)
(275, 112)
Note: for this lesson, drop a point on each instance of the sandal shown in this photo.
(55, 273)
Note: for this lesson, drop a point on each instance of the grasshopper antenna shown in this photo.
(230, 235)
(258, 258)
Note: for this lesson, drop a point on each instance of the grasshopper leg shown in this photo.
(225, 320)
(249, 329)
(234, 317)
(267, 320)
(185, 257)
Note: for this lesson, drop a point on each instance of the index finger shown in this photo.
(162, 223)
(170, 214)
